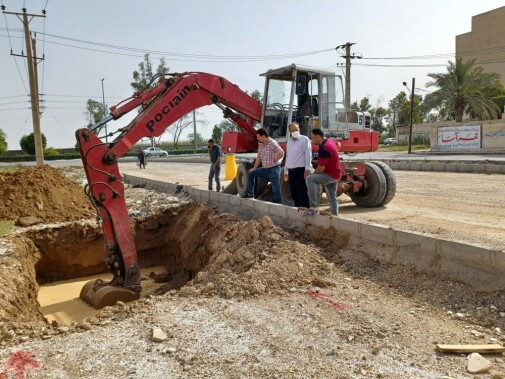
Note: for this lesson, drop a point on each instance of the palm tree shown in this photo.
(463, 89)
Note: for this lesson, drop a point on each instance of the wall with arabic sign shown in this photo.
(478, 136)
(459, 137)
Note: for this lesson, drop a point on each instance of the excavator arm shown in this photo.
(170, 99)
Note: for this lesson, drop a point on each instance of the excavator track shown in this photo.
(100, 294)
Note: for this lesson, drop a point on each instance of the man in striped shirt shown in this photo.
(269, 156)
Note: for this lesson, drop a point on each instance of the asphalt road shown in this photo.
(384, 156)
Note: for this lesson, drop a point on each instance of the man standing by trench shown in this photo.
(327, 173)
(270, 156)
(298, 165)
(215, 155)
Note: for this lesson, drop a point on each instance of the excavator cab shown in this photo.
(310, 96)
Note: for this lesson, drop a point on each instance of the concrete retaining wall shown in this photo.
(477, 266)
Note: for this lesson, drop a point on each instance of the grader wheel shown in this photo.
(242, 177)
(373, 192)
(390, 182)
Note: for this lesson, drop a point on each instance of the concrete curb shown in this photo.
(478, 266)
(435, 166)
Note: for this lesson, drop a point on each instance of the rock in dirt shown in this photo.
(477, 364)
(28, 221)
(497, 374)
(158, 335)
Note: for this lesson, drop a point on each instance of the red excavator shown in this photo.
(310, 96)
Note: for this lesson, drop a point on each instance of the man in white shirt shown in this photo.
(298, 165)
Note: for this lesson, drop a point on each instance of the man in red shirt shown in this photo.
(327, 173)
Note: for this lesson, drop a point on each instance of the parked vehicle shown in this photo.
(155, 152)
(389, 141)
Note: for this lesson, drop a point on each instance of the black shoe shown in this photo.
(245, 195)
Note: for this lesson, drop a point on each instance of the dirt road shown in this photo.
(455, 206)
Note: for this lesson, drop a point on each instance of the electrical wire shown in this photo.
(15, 102)
(196, 56)
(10, 43)
(11, 97)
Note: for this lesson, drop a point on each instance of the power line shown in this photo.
(11, 97)
(89, 97)
(400, 65)
(15, 102)
(10, 43)
(13, 109)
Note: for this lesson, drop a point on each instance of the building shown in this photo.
(486, 42)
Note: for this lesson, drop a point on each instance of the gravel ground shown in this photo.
(359, 319)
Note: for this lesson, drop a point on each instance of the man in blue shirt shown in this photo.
(215, 154)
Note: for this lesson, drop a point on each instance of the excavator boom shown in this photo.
(170, 100)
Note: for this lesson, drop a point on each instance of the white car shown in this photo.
(155, 152)
(389, 141)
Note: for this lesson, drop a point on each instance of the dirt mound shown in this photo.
(42, 192)
(232, 258)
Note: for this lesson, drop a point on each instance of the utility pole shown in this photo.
(348, 57)
(104, 111)
(411, 112)
(194, 128)
(32, 74)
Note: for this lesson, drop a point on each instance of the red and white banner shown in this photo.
(460, 137)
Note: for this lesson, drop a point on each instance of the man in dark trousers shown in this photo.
(269, 156)
(327, 173)
(215, 155)
(142, 158)
(298, 165)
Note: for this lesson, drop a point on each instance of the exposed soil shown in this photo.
(243, 299)
(454, 206)
(42, 192)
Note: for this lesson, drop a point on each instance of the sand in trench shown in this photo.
(59, 301)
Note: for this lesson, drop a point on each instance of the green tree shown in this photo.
(217, 134)
(27, 143)
(399, 109)
(462, 89)
(228, 126)
(363, 106)
(142, 77)
(256, 95)
(3, 142)
(95, 112)
(51, 151)
(142, 80)
(199, 139)
(378, 115)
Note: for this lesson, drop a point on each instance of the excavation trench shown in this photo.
(191, 247)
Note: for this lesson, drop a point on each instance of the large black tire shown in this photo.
(286, 197)
(373, 191)
(390, 182)
(242, 177)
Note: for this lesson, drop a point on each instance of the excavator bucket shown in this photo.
(99, 294)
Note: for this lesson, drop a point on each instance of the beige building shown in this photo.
(486, 42)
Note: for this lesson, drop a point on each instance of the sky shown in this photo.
(218, 37)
